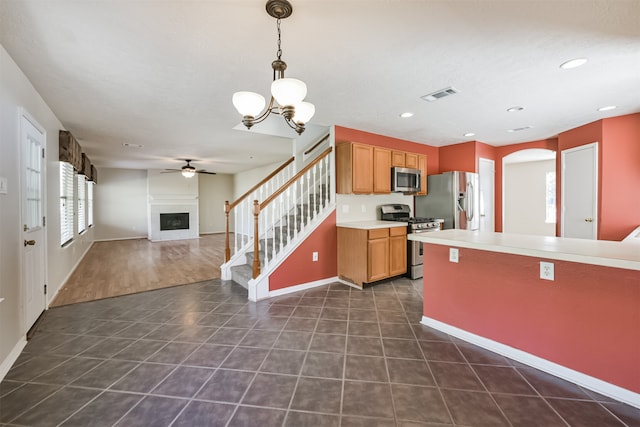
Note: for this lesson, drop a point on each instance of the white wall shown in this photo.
(352, 207)
(17, 92)
(120, 201)
(214, 190)
(243, 181)
(525, 198)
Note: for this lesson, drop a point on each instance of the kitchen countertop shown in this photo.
(597, 252)
(371, 225)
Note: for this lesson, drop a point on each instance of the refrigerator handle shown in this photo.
(470, 201)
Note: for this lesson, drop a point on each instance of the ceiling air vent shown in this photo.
(434, 96)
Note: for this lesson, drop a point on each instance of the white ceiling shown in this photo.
(162, 73)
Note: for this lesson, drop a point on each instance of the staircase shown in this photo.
(284, 231)
(277, 224)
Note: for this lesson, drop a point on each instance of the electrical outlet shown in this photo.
(363, 208)
(454, 255)
(546, 270)
(345, 208)
(314, 257)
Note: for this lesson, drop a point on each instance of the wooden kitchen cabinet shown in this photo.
(411, 160)
(354, 168)
(369, 255)
(422, 165)
(397, 251)
(381, 170)
(397, 159)
(362, 169)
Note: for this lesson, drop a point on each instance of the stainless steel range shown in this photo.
(402, 213)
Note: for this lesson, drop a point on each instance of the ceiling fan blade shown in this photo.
(170, 171)
(207, 172)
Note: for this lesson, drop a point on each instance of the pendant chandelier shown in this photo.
(287, 94)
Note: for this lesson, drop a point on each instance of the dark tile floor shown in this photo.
(202, 355)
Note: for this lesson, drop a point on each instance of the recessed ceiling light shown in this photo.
(607, 108)
(406, 115)
(514, 109)
(519, 129)
(469, 134)
(129, 145)
(573, 63)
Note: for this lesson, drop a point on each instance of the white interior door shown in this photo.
(32, 143)
(487, 178)
(580, 192)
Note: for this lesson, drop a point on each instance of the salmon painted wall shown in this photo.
(620, 194)
(299, 268)
(458, 157)
(505, 150)
(586, 320)
(346, 134)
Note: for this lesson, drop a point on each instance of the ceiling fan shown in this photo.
(187, 170)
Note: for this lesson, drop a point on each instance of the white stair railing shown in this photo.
(290, 210)
(241, 210)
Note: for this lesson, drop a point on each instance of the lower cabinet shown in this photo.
(366, 256)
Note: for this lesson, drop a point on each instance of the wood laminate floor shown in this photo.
(124, 267)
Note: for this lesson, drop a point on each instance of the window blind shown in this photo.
(82, 223)
(66, 202)
(90, 204)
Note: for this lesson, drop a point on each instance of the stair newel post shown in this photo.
(295, 208)
(227, 249)
(288, 213)
(256, 242)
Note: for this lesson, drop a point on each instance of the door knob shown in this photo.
(588, 219)
(29, 242)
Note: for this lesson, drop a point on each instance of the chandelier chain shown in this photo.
(279, 52)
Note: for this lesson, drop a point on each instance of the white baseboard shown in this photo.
(599, 386)
(122, 238)
(302, 287)
(12, 357)
(64, 281)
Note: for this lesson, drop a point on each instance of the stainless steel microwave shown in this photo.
(406, 180)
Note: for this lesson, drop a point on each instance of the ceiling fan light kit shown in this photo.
(287, 94)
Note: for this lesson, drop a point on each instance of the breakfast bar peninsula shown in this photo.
(570, 307)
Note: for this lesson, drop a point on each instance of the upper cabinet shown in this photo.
(422, 165)
(366, 169)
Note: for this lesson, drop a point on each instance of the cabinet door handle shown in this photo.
(29, 242)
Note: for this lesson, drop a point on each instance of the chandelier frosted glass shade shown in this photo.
(304, 112)
(288, 92)
(188, 172)
(248, 103)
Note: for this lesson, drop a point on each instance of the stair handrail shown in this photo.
(258, 207)
(229, 206)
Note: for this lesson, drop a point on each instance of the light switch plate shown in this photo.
(3, 185)
(454, 255)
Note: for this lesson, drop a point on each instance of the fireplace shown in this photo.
(174, 221)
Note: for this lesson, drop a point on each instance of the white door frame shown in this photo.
(24, 114)
(492, 164)
(594, 223)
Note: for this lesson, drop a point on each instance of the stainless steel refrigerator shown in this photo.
(454, 197)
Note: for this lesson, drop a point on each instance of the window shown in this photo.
(82, 194)
(66, 203)
(90, 204)
(551, 198)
